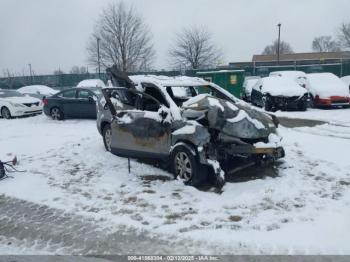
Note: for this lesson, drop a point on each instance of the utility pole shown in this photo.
(30, 73)
(279, 43)
(98, 57)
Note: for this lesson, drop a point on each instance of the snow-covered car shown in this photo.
(200, 136)
(14, 104)
(248, 84)
(273, 93)
(88, 83)
(346, 80)
(328, 90)
(38, 91)
(298, 76)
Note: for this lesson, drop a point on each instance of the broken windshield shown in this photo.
(180, 94)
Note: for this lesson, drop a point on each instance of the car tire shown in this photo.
(5, 113)
(185, 165)
(56, 114)
(107, 137)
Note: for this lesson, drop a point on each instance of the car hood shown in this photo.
(21, 99)
(231, 119)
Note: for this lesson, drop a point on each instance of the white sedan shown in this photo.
(14, 104)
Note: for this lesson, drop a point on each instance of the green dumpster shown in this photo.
(231, 80)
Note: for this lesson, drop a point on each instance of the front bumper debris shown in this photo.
(276, 152)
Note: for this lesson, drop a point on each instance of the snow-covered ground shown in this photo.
(305, 209)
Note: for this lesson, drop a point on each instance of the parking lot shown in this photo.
(71, 184)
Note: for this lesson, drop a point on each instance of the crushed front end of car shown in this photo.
(229, 132)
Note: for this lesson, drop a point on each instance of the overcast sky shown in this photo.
(52, 34)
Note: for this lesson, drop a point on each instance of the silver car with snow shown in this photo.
(200, 135)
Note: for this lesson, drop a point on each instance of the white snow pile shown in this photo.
(279, 86)
(92, 83)
(326, 85)
(243, 115)
(37, 89)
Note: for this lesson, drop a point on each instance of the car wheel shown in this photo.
(107, 137)
(186, 166)
(5, 112)
(56, 114)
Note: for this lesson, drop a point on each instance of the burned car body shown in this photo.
(166, 118)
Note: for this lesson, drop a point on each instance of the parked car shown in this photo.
(346, 80)
(15, 104)
(72, 103)
(38, 91)
(273, 93)
(328, 90)
(199, 135)
(248, 84)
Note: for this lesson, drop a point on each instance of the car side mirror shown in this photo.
(91, 99)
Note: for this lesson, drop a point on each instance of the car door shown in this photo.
(86, 104)
(141, 132)
(68, 102)
(138, 133)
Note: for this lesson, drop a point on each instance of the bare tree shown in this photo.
(124, 39)
(195, 49)
(325, 44)
(285, 48)
(344, 35)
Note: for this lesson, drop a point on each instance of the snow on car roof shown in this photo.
(34, 89)
(346, 79)
(326, 85)
(170, 80)
(292, 74)
(91, 83)
(276, 86)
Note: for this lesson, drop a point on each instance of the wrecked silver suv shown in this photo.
(200, 129)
